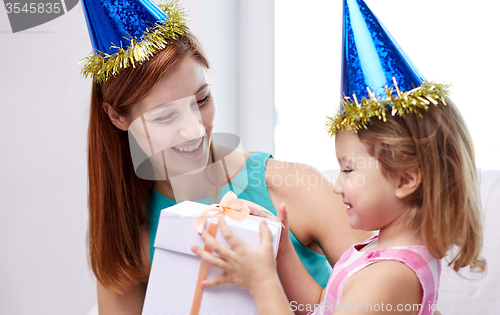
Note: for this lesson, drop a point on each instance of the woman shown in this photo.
(124, 209)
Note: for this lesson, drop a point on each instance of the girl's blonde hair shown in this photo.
(445, 208)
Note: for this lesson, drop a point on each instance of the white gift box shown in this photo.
(175, 268)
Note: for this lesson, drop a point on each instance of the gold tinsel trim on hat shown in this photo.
(101, 66)
(357, 114)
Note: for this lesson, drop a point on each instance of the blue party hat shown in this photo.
(126, 32)
(377, 75)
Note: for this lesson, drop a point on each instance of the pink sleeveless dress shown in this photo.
(417, 258)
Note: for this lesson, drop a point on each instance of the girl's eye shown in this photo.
(203, 100)
(346, 171)
(164, 118)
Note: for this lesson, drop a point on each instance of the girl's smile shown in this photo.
(370, 196)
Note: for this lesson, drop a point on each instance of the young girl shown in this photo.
(413, 179)
(407, 170)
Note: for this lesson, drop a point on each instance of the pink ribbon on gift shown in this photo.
(234, 208)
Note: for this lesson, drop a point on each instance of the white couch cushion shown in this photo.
(479, 296)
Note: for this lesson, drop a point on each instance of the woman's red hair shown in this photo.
(118, 199)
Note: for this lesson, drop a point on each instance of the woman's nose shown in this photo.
(192, 125)
(338, 185)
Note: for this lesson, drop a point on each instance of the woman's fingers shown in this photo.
(266, 238)
(283, 214)
(283, 217)
(209, 258)
(256, 210)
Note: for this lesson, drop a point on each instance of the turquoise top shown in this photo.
(255, 191)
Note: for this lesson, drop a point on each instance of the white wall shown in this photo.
(238, 37)
(45, 103)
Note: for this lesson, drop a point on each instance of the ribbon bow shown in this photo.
(230, 205)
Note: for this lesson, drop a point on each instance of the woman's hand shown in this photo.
(248, 267)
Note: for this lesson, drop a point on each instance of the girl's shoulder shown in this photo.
(382, 281)
(414, 259)
(379, 275)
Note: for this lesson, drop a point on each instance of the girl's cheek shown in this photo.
(356, 181)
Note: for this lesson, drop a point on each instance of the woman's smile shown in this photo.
(192, 149)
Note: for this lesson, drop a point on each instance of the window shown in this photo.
(450, 41)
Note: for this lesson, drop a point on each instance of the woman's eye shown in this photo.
(202, 101)
(346, 171)
(164, 118)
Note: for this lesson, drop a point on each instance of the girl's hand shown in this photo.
(248, 267)
(256, 210)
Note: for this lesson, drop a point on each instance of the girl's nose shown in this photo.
(338, 185)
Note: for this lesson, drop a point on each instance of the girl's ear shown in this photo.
(117, 120)
(409, 182)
